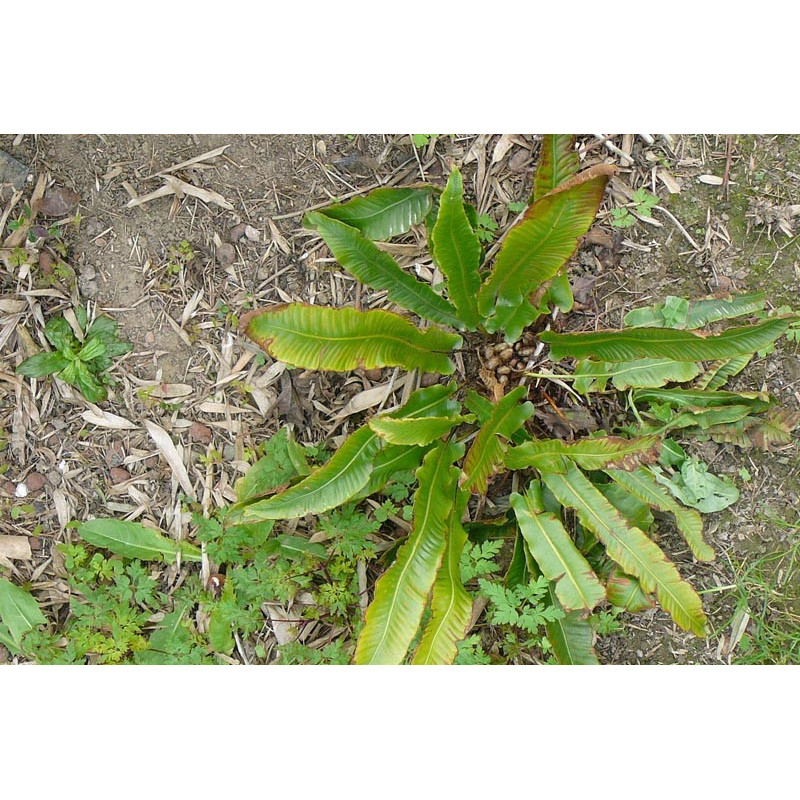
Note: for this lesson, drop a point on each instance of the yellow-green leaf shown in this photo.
(334, 483)
(558, 162)
(451, 605)
(678, 345)
(383, 213)
(597, 453)
(19, 612)
(420, 431)
(629, 547)
(641, 483)
(342, 339)
(537, 247)
(576, 585)
(457, 251)
(402, 591)
(487, 451)
(134, 540)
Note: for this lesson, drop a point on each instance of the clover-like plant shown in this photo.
(582, 517)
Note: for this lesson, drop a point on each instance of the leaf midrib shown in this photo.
(417, 544)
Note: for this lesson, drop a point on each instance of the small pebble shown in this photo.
(115, 455)
(119, 475)
(34, 482)
(58, 202)
(200, 433)
(9, 487)
(226, 255)
(236, 232)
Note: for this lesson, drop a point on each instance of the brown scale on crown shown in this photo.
(502, 361)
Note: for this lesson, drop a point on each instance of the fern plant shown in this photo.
(579, 511)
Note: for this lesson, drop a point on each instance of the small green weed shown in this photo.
(642, 204)
(81, 364)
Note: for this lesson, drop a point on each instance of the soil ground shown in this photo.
(178, 271)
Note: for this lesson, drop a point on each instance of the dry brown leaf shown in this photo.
(105, 419)
(15, 547)
(504, 144)
(171, 455)
(284, 630)
(277, 237)
(369, 398)
(218, 151)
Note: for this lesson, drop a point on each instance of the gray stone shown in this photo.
(12, 171)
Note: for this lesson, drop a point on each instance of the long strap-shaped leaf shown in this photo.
(597, 453)
(625, 591)
(642, 484)
(704, 398)
(576, 585)
(341, 339)
(134, 540)
(700, 312)
(388, 462)
(457, 251)
(630, 548)
(375, 268)
(643, 372)
(420, 431)
(571, 636)
(451, 605)
(334, 483)
(383, 213)
(487, 451)
(402, 591)
(627, 345)
(540, 244)
(557, 162)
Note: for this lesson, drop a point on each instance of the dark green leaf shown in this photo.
(376, 268)
(458, 251)
(627, 345)
(134, 540)
(381, 214)
(42, 364)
